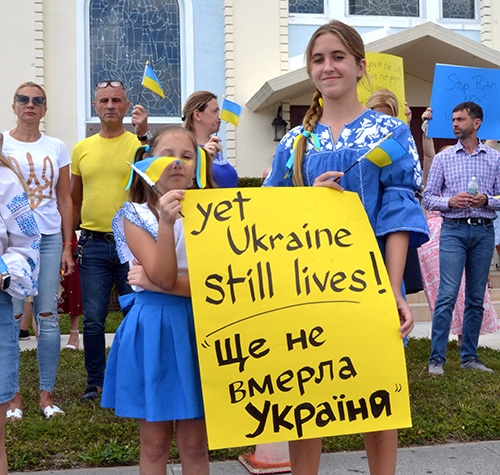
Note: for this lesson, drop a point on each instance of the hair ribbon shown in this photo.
(308, 135)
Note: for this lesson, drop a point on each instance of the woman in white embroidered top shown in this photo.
(43, 162)
(19, 244)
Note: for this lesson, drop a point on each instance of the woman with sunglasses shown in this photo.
(43, 162)
(201, 116)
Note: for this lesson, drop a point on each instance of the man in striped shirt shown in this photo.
(467, 235)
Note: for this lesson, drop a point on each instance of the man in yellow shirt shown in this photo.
(99, 165)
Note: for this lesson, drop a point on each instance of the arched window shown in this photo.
(123, 35)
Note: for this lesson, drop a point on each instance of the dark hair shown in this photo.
(196, 101)
(473, 109)
(354, 44)
(140, 192)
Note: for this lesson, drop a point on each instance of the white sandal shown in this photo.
(15, 415)
(73, 347)
(51, 411)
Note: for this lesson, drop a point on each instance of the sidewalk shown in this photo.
(421, 330)
(481, 458)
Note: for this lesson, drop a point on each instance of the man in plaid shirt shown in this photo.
(467, 235)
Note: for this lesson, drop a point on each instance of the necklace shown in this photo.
(337, 130)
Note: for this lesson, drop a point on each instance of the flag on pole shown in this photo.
(384, 152)
(230, 112)
(150, 80)
(387, 152)
(152, 167)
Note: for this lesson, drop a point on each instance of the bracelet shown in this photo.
(67, 243)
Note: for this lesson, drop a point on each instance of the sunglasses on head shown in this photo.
(37, 100)
(102, 84)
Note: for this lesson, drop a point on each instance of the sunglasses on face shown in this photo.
(103, 84)
(38, 101)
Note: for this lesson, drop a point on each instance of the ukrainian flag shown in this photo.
(150, 80)
(386, 152)
(153, 167)
(230, 112)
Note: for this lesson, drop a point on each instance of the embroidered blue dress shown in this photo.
(387, 193)
(152, 371)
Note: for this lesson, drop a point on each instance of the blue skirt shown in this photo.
(152, 371)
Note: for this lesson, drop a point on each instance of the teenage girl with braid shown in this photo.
(337, 129)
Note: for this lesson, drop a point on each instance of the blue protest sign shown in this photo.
(456, 84)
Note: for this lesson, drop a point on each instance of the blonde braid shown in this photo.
(6, 162)
(312, 116)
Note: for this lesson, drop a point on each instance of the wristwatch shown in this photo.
(5, 280)
(146, 137)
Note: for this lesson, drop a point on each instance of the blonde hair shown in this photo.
(30, 84)
(196, 101)
(7, 163)
(354, 44)
(384, 98)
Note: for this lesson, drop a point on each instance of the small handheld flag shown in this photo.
(384, 152)
(148, 180)
(152, 168)
(230, 112)
(150, 80)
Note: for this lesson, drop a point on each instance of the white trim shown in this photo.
(430, 10)
(83, 86)
(81, 31)
(187, 49)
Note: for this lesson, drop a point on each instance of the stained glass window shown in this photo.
(406, 8)
(124, 34)
(306, 6)
(464, 9)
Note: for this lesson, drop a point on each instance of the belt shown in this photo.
(109, 237)
(471, 221)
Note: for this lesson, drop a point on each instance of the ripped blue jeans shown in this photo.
(49, 334)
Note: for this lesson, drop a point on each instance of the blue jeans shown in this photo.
(49, 333)
(9, 349)
(99, 268)
(470, 246)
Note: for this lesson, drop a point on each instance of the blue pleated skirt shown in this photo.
(152, 371)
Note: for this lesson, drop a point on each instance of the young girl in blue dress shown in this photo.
(152, 372)
(343, 130)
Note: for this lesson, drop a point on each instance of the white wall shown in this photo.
(40, 47)
(257, 58)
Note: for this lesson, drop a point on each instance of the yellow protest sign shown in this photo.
(385, 71)
(297, 329)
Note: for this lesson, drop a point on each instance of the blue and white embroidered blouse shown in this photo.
(386, 193)
(19, 237)
(141, 216)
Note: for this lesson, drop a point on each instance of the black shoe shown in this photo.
(24, 334)
(90, 394)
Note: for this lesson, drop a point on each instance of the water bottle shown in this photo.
(473, 187)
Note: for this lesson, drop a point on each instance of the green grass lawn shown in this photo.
(462, 406)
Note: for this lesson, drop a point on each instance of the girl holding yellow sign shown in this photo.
(337, 132)
(152, 372)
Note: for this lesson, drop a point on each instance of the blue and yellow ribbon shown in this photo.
(308, 135)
